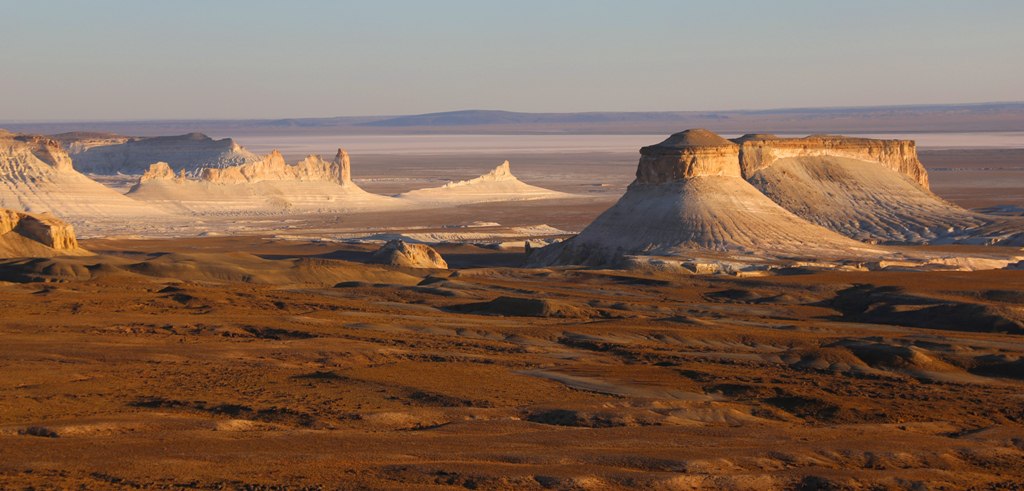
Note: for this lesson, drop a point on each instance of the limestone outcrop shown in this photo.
(769, 197)
(760, 151)
(689, 195)
(274, 168)
(37, 175)
(870, 190)
(111, 154)
(686, 155)
(29, 235)
(497, 185)
(406, 255)
(268, 185)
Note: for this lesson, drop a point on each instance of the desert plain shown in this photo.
(273, 352)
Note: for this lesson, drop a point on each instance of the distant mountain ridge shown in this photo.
(991, 116)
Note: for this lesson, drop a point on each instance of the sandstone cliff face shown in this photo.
(400, 253)
(760, 151)
(28, 235)
(688, 154)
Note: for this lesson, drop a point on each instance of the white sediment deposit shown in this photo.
(28, 235)
(101, 153)
(497, 185)
(871, 190)
(404, 254)
(689, 194)
(691, 202)
(266, 186)
(36, 176)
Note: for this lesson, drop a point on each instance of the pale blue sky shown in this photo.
(71, 60)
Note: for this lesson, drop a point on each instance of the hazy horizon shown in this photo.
(117, 60)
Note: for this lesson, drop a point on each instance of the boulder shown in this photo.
(404, 254)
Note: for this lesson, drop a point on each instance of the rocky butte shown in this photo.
(871, 190)
(692, 196)
(27, 235)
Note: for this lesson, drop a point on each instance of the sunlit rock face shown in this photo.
(37, 176)
(268, 185)
(30, 235)
(760, 151)
(111, 154)
(688, 154)
(690, 196)
(404, 254)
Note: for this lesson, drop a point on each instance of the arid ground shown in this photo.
(255, 362)
(187, 363)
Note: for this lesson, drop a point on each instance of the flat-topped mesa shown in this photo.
(688, 154)
(274, 168)
(760, 151)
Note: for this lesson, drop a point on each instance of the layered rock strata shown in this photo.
(689, 195)
(27, 235)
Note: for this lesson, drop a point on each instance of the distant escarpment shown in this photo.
(28, 235)
(102, 153)
(37, 175)
(267, 185)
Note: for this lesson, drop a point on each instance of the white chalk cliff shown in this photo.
(37, 175)
(871, 190)
(689, 195)
(267, 186)
(112, 154)
(497, 185)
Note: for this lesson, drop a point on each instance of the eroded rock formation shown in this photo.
(266, 186)
(37, 175)
(497, 185)
(109, 154)
(28, 235)
(760, 151)
(403, 254)
(690, 195)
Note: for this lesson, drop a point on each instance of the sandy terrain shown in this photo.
(263, 364)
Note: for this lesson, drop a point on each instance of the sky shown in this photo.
(187, 59)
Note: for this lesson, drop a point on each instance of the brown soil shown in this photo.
(240, 365)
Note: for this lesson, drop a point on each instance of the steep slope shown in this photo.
(266, 186)
(36, 175)
(497, 185)
(870, 190)
(111, 154)
(25, 235)
(689, 196)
